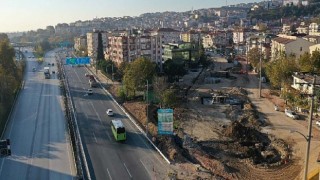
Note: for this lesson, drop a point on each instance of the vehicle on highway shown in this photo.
(118, 130)
(318, 123)
(46, 71)
(109, 112)
(291, 114)
(90, 92)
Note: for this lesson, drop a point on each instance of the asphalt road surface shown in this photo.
(37, 129)
(108, 159)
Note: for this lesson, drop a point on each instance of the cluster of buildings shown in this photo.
(170, 35)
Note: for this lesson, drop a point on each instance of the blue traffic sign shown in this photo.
(78, 61)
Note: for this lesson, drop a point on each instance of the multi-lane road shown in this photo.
(108, 159)
(37, 129)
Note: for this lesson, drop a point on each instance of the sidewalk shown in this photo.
(281, 125)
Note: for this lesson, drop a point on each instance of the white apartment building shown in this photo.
(80, 43)
(314, 29)
(92, 43)
(284, 45)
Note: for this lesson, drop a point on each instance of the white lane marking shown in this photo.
(108, 136)
(148, 147)
(99, 118)
(145, 168)
(94, 137)
(95, 112)
(127, 170)
(109, 174)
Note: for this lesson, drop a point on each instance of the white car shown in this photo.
(318, 123)
(109, 112)
(291, 114)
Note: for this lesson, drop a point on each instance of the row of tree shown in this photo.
(10, 77)
(279, 72)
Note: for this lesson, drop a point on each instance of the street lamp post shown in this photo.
(308, 137)
(309, 131)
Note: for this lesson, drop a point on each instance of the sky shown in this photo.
(25, 15)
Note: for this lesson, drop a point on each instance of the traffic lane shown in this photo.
(97, 143)
(89, 119)
(151, 154)
(103, 134)
(147, 153)
(136, 144)
(20, 126)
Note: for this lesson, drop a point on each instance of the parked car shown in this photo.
(52, 64)
(53, 71)
(34, 69)
(109, 112)
(90, 92)
(318, 123)
(291, 114)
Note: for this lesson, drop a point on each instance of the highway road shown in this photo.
(37, 129)
(108, 159)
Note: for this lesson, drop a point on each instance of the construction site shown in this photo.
(223, 130)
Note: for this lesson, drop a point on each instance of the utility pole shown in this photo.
(112, 72)
(147, 98)
(260, 70)
(309, 131)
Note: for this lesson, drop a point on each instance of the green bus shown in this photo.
(118, 130)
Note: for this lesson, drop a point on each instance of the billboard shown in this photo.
(77, 61)
(165, 121)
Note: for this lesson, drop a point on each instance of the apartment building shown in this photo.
(80, 43)
(239, 38)
(127, 48)
(190, 36)
(92, 42)
(260, 41)
(314, 29)
(304, 83)
(284, 45)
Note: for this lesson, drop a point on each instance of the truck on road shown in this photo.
(46, 71)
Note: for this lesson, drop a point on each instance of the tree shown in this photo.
(159, 85)
(305, 63)
(174, 68)
(169, 98)
(254, 56)
(280, 71)
(136, 75)
(121, 69)
(100, 55)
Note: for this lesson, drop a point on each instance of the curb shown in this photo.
(131, 119)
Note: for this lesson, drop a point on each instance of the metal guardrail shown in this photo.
(80, 154)
(133, 121)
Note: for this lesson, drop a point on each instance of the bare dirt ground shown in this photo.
(220, 141)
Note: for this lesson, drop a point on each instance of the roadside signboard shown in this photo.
(165, 121)
(78, 61)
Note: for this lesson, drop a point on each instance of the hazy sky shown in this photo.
(24, 15)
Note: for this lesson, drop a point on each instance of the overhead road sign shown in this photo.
(78, 61)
